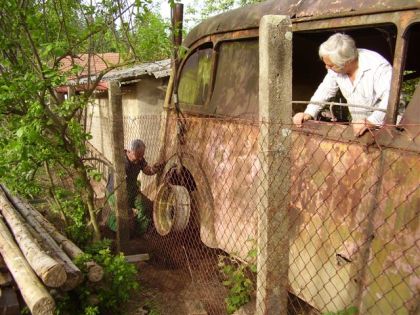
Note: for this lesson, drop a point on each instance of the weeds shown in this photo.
(238, 279)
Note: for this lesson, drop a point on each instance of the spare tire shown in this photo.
(171, 209)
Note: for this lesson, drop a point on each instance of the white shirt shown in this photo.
(370, 88)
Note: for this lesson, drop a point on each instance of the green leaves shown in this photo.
(237, 278)
(111, 292)
(151, 39)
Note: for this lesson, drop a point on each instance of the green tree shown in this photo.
(152, 37)
(213, 7)
(41, 134)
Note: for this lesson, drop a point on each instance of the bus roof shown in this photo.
(248, 17)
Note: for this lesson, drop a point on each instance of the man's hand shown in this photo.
(299, 118)
(152, 170)
(359, 128)
(158, 166)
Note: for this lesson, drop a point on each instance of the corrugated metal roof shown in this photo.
(158, 69)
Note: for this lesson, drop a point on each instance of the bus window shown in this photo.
(235, 91)
(194, 80)
(309, 70)
(410, 91)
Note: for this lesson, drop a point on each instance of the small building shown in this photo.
(143, 89)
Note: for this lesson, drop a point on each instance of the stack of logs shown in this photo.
(37, 255)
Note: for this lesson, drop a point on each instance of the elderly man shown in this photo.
(363, 76)
(134, 163)
(139, 203)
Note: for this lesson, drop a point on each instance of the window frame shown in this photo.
(401, 20)
(201, 108)
(215, 40)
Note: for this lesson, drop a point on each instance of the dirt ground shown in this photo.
(167, 289)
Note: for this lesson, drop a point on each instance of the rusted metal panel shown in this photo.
(332, 189)
(231, 168)
(393, 277)
(349, 245)
(354, 218)
(330, 8)
(240, 19)
(249, 17)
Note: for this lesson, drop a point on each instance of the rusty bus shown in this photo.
(341, 252)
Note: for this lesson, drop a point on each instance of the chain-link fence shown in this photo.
(245, 209)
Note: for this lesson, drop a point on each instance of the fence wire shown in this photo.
(238, 201)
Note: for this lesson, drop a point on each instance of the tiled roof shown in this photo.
(98, 62)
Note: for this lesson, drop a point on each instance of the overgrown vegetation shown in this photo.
(197, 13)
(42, 137)
(109, 295)
(239, 279)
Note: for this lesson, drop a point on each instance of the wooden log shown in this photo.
(73, 274)
(137, 258)
(36, 297)
(50, 271)
(54, 238)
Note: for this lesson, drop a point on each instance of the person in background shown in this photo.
(140, 205)
(363, 77)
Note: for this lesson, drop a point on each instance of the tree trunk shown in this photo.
(89, 199)
(36, 297)
(50, 271)
(53, 237)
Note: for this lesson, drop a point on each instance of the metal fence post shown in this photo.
(275, 96)
(120, 186)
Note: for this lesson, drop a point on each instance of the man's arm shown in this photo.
(382, 86)
(327, 89)
(152, 170)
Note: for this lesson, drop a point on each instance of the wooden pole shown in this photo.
(275, 96)
(36, 297)
(57, 241)
(120, 185)
(50, 271)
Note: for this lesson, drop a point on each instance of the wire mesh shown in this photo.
(350, 213)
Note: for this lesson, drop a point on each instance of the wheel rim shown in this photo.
(171, 209)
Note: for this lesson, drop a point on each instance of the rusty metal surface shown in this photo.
(232, 185)
(354, 212)
(239, 19)
(330, 8)
(249, 17)
(412, 115)
(353, 215)
(333, 184)
(392, 269)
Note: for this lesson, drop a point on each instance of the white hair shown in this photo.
(340, 48)
(137, 144)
